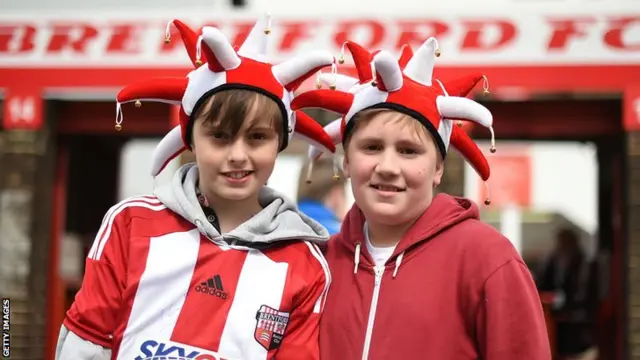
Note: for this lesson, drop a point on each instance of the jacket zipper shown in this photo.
(378, 271)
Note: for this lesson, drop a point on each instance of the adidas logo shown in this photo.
(213, 286)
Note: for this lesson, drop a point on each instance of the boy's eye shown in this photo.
(407, 151)
(219, 135)
(258, 136)
(372, 148)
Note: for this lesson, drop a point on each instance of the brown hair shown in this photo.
(403, 119)
(322, 181)
(228, 110)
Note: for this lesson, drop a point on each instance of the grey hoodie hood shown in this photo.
(279, 219)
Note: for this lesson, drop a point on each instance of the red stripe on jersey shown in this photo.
(138, 250)
(159, 224)
(211, 293)
(306, 264)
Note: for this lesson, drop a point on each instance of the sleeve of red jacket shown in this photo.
(94, 313)
(511, 323)
(302, 334)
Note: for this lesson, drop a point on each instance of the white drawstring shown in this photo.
(119, 116)
(335, 159)
(487, 200)
(310, 172)
(485, 85)
(356, 259)
(374, 74)
(267, 30)
(398, 262)
(341, 58)
(493, 140)
(167, 32)
(334, 76)
(199, 50)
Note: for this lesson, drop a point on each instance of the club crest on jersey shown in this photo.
(270, 326)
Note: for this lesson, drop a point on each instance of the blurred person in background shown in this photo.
(324, 199)
(572, 278)
(215, 264)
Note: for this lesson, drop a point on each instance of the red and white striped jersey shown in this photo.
(155, 286)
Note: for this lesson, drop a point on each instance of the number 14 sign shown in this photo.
(23, 110)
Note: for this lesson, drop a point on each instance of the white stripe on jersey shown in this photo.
(315, 251)
(104, 232)
(261, 282)
(107, 234)
(156, 306)
(108, 216)
(108, 219)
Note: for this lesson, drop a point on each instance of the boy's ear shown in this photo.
(345, 166)
(437, 177)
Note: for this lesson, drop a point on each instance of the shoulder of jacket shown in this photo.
(484, 243)
(317, 254)
(320, 268)
(308, 257)
(482, 232)
(121, 215)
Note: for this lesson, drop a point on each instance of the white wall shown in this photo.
(565, 179)
(135, 169)
(285, 175)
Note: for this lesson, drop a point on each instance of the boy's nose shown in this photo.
(388, 164)
(238, 151)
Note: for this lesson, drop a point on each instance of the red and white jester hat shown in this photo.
(346, 83)
(226, 68)
(404, 85)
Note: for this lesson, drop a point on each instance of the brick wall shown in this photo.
(633, 245)
(16, 197)
(26, 179)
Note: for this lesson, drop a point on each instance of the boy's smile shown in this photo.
(237, 177)
(387, 188)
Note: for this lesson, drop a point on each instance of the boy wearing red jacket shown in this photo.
(418, 276)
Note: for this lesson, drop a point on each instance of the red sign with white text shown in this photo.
(22, 110)
(521, 53)
(531, 38)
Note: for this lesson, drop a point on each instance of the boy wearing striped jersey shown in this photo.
(214, 265)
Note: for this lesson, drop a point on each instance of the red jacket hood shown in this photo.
(444, 212)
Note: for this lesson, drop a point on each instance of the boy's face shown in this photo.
(394, 166)
(234, 169)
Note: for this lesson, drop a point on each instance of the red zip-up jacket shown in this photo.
(454, 288)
